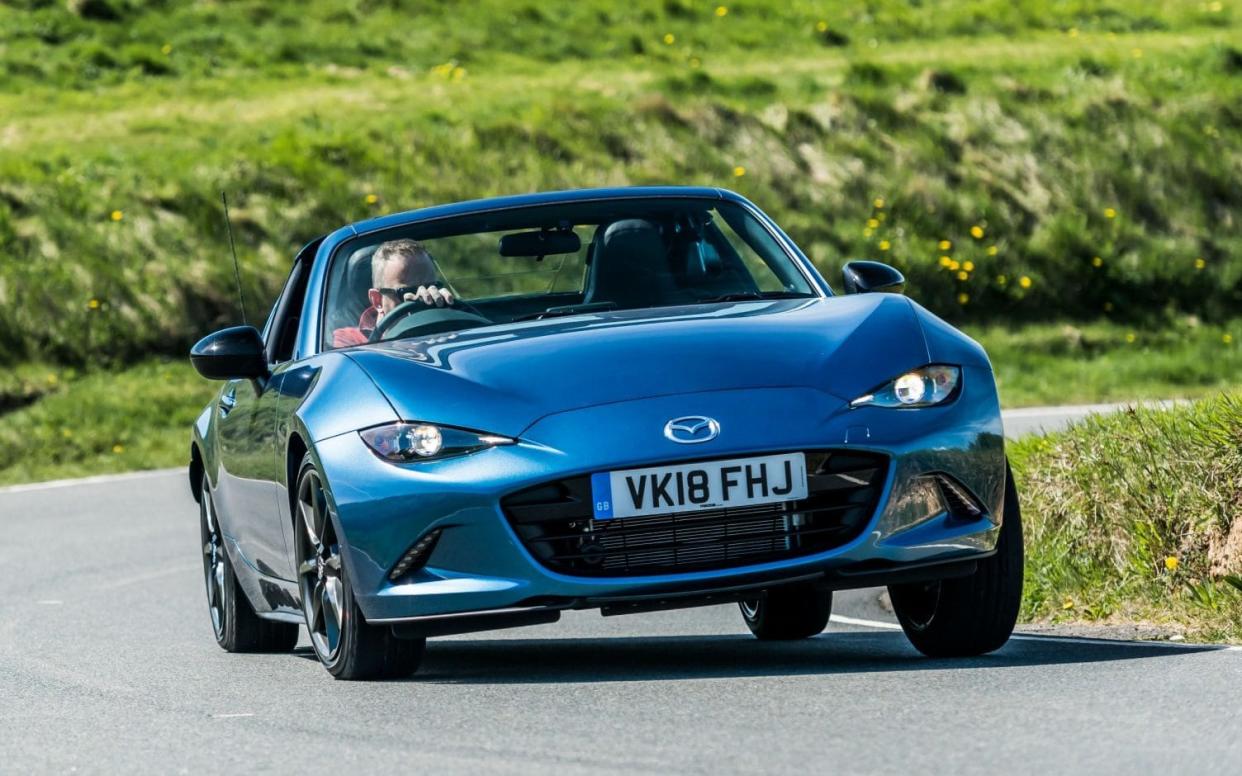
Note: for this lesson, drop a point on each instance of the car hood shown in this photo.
(502, 379)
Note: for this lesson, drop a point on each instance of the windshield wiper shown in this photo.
(744, 296)
(572, 309)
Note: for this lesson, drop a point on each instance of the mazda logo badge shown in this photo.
(691, 429)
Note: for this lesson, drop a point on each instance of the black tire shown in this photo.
(233, 620)
(343, 641)
(788, 613)
(971, 615)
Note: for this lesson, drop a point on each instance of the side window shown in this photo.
(282, 329)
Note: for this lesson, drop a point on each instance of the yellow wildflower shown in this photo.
(739, 171)
(459, 73)
(117, 215)
(1226, 338)
(118, 448)
(1072, 32)
(963, 298)
(963, 275)
(1097, 262)
(1110, 212)
(1024, 281)
(166, 49)
(1200, 263)
(945, 261)
(93, 304)
(1130, 337)
(878, 202)
(969, 266)
(868, 232)
(371, 199)
(954, 266)
(52, 379)
(66, 433)
(722, 11)
(884, 245)
(1171, 563)
(669, 39)
(872, 223)
(945, 245)
(976, 232)
(821, 26)
(1068, 603)
(993, 250)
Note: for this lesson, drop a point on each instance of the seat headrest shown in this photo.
(630, 266)
(352, 299)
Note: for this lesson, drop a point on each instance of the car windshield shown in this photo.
(551, 261)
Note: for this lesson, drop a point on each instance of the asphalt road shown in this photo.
(107, 663)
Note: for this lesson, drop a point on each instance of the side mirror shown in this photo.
(230, 354)
(863, 277)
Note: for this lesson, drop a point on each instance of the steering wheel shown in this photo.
(446, 318)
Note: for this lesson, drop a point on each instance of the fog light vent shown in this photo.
(960, 502)
(416, 556)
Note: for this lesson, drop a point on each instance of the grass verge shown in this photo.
(1137, 517)
(1052, 364)
(85, 423)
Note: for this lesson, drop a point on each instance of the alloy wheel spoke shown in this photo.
(307, 520)
(332, 611)
(316, 604)
(209, 509)
(211, 585)
(307, 567)
(320, 513)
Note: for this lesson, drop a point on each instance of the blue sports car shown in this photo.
(479, 415)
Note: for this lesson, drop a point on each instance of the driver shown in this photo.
(401, 271)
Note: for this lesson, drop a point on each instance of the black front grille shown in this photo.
(555, 522)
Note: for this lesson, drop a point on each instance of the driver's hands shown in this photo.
(432, 296)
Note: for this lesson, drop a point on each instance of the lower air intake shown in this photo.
(555, 522)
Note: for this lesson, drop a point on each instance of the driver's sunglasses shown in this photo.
(400, 292)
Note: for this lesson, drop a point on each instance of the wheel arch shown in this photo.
(295, 451)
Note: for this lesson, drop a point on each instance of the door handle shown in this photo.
(227, 400)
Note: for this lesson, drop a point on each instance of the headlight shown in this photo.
(924, 387)
(404, 442)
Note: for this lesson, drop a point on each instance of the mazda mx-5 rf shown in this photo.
(479, 415)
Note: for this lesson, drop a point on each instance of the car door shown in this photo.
(252, 445)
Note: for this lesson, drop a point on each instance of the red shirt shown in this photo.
(349, 336)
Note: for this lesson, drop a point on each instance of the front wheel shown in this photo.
(788, 613)
(346, 645)
(971, 615)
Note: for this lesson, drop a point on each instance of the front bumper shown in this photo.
(480, 564)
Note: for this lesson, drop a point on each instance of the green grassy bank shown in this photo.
(1020, 162)
(1137, 517)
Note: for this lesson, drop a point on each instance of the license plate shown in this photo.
(689, 487)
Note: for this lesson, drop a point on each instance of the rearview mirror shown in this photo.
(235, 353)
(539, 244)
(862, 277)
